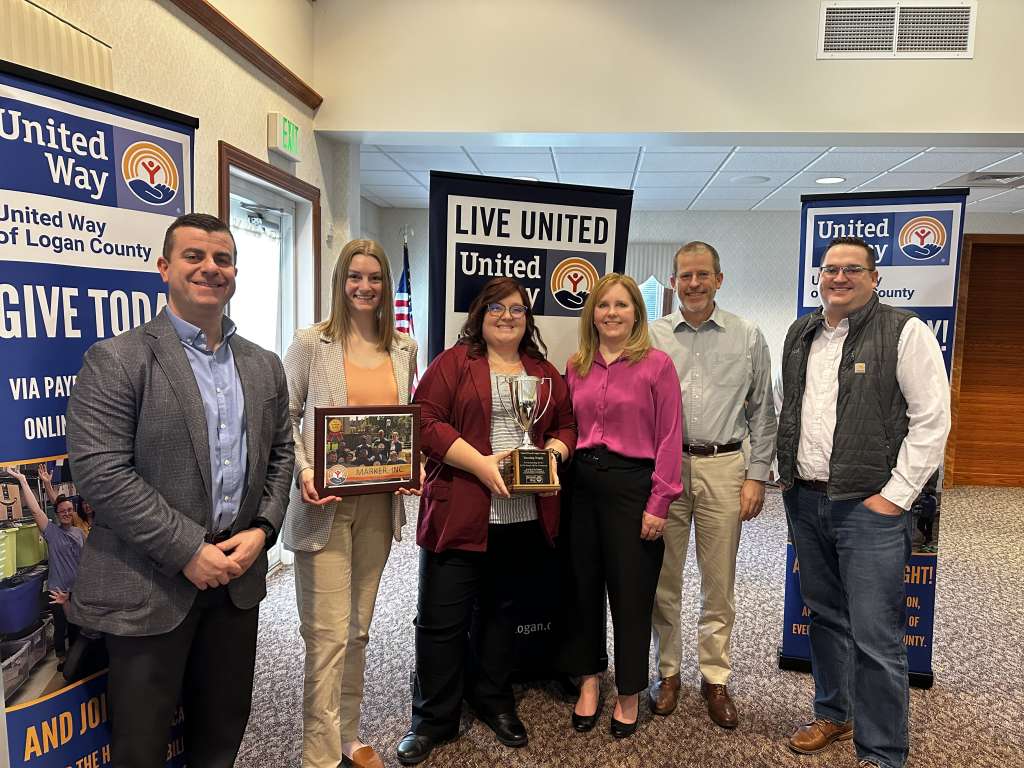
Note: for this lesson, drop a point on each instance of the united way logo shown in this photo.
(150, 173)
(922, 238)
(572, 281)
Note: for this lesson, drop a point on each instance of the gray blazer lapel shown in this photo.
(400, 366)
(248, 374)
(330, 357)
(171, 358)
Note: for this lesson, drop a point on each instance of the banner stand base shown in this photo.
(799, 664)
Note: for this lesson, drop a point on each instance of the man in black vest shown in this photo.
(864, 422)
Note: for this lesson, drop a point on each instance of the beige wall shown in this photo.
(283, 27)
(647, 66)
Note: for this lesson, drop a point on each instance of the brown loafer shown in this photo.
(364, 757)
(813, 737)
(721, 710)
(663, 695)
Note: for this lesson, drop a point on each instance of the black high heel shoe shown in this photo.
(622, 730)
(584, 723)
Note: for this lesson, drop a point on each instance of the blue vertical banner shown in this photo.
(89, 183)
(917, 238)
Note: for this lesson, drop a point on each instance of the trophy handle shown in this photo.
(547, 402)
(504, 381)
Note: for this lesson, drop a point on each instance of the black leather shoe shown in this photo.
(415, 748)
(507, 727)
(584, 723)
(622, 730)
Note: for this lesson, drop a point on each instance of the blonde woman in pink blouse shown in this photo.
(625, 472)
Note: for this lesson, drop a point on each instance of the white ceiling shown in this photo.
(696, 178)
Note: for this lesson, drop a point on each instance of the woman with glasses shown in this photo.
(355, 357)
(473, 535)
(627, 402)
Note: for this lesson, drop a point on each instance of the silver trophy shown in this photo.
(531, 468)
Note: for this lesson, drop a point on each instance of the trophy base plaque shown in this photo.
(531, 470)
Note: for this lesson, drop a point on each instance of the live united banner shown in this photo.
(89, 183)
(917, 239)
(557, 240)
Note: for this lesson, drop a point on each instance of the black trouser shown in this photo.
(207, 661)
(64, 632)
(460, 590)
(605, 551)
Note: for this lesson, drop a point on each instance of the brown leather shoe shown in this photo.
(663, 695)
(364, 757)
(813, 737)
(721, 710)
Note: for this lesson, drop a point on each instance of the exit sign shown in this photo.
(283, 136)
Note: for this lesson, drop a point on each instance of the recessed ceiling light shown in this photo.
(830, 180)
(748, 180)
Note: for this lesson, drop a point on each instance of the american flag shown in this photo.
(403, 297)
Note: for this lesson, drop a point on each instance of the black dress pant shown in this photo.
(64, 632)
(462, 591)
(207, 662)
(605, 552)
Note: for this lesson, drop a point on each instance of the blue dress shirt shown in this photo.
(224, 405)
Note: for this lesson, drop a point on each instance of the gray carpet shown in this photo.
(973, 716)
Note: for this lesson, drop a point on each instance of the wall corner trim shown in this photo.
(221, 27)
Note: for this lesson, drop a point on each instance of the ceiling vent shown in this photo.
(993, 179)
(908, 29)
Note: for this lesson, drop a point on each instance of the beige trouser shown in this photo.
(711, 500)
(336, 590)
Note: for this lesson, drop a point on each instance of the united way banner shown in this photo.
(70, 728)
(917, 238)
(89, 183)
(557, 240)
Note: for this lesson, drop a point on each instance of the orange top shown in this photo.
(371, 386)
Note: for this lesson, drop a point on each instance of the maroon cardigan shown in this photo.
(455, 399)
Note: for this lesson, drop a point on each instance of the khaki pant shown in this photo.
(711, 500)
(336, 589)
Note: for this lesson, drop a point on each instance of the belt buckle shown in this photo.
(714, 450)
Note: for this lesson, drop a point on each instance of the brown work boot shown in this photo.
(663, 695)
(721, 710)
(813, 737)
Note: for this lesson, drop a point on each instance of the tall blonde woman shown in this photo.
(626, 398)
(355, 357)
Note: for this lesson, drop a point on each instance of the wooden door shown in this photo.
(989, 427)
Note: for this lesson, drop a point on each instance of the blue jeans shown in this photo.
(852, 563)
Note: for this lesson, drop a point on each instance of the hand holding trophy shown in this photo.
(532, 469)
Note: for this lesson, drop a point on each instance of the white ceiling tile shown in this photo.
(866, 162)
(762, 150)
(393, 191)
(730, 179)
(509, 150)
(737, 193)
(660, 205)
(517, 163)
(954, 162)
(780, 202)
(906, 180)
(808, 178)
(704, 204)
(1009, 165)
(769, 161)
(617, 180)
(435, 161)
(907, 150)
(994, 150)
(581, 150)
(411, 202)
(665, 193)
(376, 161)
(532, 174)
(419, 148)
(594, 163)
(385, 178)
(647, 179)
(652, 150)
(423, 177)
(682, 161)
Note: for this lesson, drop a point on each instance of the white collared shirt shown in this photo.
(921, 375)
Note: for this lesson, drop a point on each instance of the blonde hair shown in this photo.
(639, 341)
(338, 324)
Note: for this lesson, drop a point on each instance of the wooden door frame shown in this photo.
(966, 255)
(228, 156)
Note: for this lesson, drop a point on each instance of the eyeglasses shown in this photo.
(515, 310)
(850, 270)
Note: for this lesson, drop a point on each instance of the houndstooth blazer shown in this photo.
(315, 367)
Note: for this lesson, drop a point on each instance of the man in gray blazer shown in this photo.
(179, 434)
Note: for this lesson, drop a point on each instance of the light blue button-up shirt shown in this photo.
(224, 406)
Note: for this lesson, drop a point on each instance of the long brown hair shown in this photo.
(338, 324)
(639, 341)
(472, 333)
